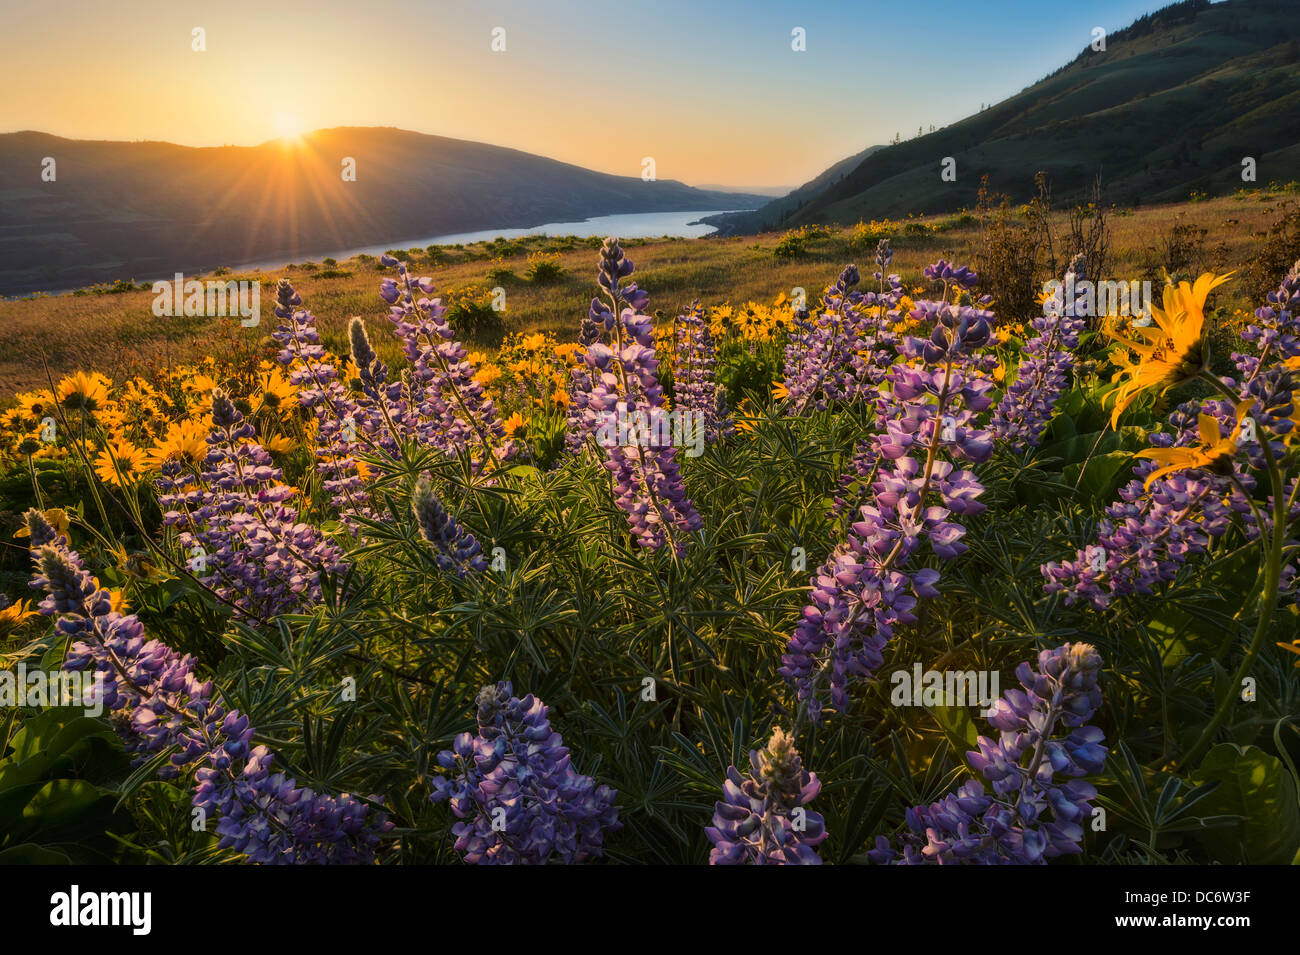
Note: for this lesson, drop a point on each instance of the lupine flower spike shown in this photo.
(158, 703)
(764, 817)
(511, 785)
(1030, 815)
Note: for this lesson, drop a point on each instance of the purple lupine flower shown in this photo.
(519, 800)
(1276, 330)
(837, 356)
(624, 411)
(584, 418)
(763, 817)
(1156, 527)
(1029, 815)
(1144, 540)
(158, 703)
(1043, 374)
(870, 584)
(343, 426)
(854, 483)
(950, 275)
(884, 255)
(448, 408)
(457, 551)
(235, 524)
(695, 388)
(300, 349)
(1273, 395)
(41, 532)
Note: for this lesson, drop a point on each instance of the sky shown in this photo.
(713, 92)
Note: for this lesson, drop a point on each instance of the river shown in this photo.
(640, 225)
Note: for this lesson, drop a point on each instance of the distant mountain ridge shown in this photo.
(145, 209)
(1173, 105)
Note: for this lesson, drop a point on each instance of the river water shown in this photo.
(641, 225)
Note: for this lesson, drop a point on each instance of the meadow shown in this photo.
(397, 577)
(113, 326)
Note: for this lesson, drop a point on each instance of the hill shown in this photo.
(148, 209)
(1171, 106)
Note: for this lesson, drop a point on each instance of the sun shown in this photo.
(288, 125)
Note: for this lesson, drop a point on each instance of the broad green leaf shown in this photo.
(1257, 787)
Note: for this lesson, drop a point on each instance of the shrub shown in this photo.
(792, 245)
(544, 268)
(1281, 247)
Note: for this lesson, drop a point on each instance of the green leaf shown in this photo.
(957, 723)
(31, 854)
(1099, 478)
(1257, 787)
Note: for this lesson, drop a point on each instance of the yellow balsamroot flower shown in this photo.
(363, 470)
(117, 602)
(718, 318)
(86, 391)
(186, 439)
(560, 388)
(568, 353)
(1172, 350)
(744, 424)
(36, 404)
(535, 342)
(276, 443)
(142, 398)
(201, 384)
(58, 519)
(274, 392)
(1294, 647)
(195, 380)
(487, 374)
(12, 617)
(514, 423)
(113, 417)
(1213, 453)
(120, 463)
(779, 391)
(1000, 373)
(748, 322)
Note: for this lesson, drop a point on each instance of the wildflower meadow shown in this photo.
(876, 575)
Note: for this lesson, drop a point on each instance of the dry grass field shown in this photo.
(118, 332)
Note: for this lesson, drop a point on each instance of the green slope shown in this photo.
(1172, 105)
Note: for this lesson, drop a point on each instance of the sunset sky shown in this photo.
(712, 91)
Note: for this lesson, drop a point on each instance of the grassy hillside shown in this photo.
(1170, 107)
(787, 205)
(117, 210)
(118, 330)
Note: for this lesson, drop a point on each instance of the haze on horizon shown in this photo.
(714, 94)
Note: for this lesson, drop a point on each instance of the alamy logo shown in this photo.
(654, 429)
(23, 687)
(193, 298)
(74, 908)
(923, 687)
(1091, 299)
